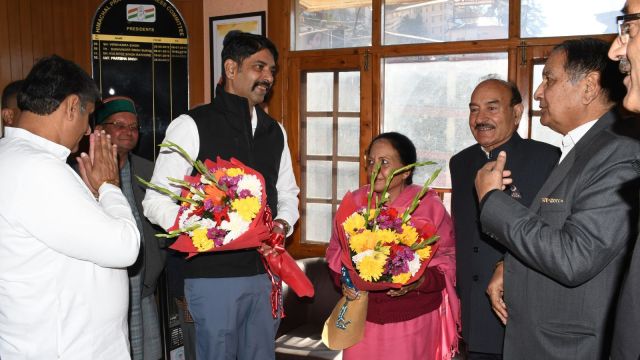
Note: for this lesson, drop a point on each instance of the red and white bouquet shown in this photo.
(224, 207)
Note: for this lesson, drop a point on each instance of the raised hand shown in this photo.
(101, 164)
(493, 176)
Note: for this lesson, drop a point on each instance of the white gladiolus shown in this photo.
(414, 265)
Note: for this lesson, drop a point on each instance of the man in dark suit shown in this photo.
(117, 117)
(495, 111)
(625, 49)
(567, 251)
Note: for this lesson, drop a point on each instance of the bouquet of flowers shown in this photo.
(383, 247)
(224, 207)
(221, 208)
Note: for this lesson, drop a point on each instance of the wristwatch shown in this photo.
(282, 224)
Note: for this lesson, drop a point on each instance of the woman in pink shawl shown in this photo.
(420, 320)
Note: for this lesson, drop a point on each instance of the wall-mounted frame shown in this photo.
(219, 26)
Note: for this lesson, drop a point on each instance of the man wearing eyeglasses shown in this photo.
(117, 117)
(626, 50)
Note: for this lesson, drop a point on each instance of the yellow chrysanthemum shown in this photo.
(401, 278)
(363, 241)
(384, 250)
(247, 208)
(200, 239)
(353, 224)
(371, 267)
(409, 235)
(386, 236)
(424, 253)
(234, 172)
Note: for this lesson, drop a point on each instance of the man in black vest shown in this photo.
(228, 292)
(495, 110)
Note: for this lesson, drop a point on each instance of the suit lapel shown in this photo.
(561, 170)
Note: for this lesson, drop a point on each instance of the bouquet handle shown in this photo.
(282, 265)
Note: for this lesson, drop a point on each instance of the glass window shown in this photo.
(331, 24)
(330, 158)
(541, 18)
(419, 21)
(319, 91)
(427, 99)
(318, 222)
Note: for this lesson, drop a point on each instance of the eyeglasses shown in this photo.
(120, 126)
(625, 30)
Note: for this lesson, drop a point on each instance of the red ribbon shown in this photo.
(276, 241)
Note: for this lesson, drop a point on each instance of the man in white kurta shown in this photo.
(65, 243)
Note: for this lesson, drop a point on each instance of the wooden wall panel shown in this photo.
(5, 61)
(31, 29)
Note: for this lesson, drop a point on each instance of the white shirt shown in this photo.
(63, 282)
(573, 136)
(161, 210)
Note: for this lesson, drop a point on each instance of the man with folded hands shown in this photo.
(65, 239)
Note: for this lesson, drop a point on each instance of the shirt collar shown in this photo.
(59, 151)
(576, 134)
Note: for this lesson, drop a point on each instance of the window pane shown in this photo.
(349, 136)
(542, 18)
(347, 177)
(542, 133)
(419, 21)
(537, 80)
(320, 91)
(319, 136)
(428, 100)
(318, 224)
(319, 179)
(349, 91)
(322, 24)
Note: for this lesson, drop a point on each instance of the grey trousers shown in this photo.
(232, 317)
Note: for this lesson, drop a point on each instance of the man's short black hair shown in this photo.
(50, 81)
(238, 45)
(587, 55)
(11, 90)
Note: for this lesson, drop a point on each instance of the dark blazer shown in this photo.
(530, 163)
(153, 257)
(568, 250)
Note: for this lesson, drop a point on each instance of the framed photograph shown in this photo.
(219, 26)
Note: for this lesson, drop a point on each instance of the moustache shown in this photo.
(624, 66)
(484, 125)
(264, 83)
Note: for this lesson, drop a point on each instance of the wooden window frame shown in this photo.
(284, 105)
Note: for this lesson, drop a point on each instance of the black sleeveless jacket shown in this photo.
(224, 128)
